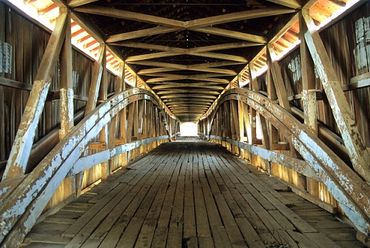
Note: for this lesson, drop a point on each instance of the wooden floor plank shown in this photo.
(190, 194)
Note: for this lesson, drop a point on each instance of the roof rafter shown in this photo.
(180, 51)
(160, 87)
(168, 92)
(166, 79)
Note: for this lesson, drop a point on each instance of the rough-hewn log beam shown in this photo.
(22, 144)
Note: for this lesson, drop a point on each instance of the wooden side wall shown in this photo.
(28, 41)
(348, 44)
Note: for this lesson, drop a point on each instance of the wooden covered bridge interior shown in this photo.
(93, 93)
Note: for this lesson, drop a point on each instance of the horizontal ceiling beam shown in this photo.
(212, 87)
(176, 25)
(180, 51)
(163, 69)
(175, 76)
(174, 91)
(202, 96)
(217, 47)
(180, 66)
(196, 23)
(188, 112)
(197, 108)
(175, 105)
(165, 79)
(188, 100)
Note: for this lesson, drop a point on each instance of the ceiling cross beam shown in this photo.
(180, 66)
(176, 52)
(187, 68)
(187, 77)
(210, 48)
(195, 25)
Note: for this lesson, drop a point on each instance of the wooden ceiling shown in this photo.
(187, 51)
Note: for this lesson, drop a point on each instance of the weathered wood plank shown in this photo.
(357, 151)
(22, 145)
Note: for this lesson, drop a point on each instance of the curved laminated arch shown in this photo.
(26, 202)
(351, 192)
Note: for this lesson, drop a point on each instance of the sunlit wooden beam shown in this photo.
(22, 145)
(140, 33)
(287, 3)
(202, 96)
(342, 113)
(190, 91)
(179, 66)
(187, 85)
(165, 79)
(181, 51)
(175, 76)
(78, 3)
(257, 39)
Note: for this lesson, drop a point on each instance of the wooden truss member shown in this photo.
(357, 151)
(19, 155)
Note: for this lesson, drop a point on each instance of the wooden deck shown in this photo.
(188, 194)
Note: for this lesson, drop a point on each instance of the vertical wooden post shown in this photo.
(66, 113)
(308, 96)
(271, 93)
(92, 99)
(308, 81)
(255, 87)
(66, 88)
(123, 116)
(280, 89)
(252, 111)
(22, 145)
(103, 94)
